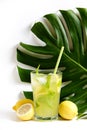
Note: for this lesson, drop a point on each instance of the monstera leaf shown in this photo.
(69, 29)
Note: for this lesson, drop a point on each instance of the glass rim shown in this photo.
(46, 71)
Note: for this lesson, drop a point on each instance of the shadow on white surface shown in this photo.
(8, 115)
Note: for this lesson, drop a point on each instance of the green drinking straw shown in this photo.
(58, 60)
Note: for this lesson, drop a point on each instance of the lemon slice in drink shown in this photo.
(25, 112)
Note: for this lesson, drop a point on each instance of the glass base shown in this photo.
(46, 118)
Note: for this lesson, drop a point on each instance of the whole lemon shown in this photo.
(68, 110)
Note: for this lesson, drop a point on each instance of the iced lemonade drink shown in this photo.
(46, 93)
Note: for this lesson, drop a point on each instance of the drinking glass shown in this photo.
(46, 88)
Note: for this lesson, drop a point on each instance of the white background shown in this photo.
(15, 19)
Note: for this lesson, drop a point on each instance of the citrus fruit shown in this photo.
(25, 112)
(68, 110)
(21, 102)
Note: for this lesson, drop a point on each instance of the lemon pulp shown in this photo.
(25, 111)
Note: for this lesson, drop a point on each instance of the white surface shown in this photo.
(15, 18)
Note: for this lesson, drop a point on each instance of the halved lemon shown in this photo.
(25, 112)
(21, 102)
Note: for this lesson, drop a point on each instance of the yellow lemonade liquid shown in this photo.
(46, 94)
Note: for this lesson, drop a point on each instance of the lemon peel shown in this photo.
(68, 110)
(25, 112)
(21, 102)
